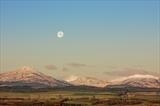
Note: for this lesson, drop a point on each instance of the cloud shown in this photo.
(51, 67)
(77, 65)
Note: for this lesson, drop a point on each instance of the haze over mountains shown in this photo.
(29, 77)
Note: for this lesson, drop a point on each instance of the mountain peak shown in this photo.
(25, 71)
(142, 76)
(26, 68)
(136, 76)
(138, 80)
(31, 77)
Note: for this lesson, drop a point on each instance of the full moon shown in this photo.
(60, 34)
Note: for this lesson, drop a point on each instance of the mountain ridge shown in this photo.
(137, 80)
(30, 77)
(88, 81)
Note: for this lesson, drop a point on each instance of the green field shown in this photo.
(69, 98)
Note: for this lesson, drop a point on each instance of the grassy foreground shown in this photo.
(70, 98)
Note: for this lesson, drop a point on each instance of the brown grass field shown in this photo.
(69, 98)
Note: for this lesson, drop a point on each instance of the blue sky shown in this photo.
(97, 32)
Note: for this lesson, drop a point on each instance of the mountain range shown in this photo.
(27, 76)
(31, 78)
(89, 81)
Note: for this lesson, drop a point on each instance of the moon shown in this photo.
(60, 34)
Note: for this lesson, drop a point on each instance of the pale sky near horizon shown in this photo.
(102, 38)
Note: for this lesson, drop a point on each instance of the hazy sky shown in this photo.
(104, 39)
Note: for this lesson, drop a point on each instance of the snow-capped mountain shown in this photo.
(27, 76)
(88, 81)
(142, 81)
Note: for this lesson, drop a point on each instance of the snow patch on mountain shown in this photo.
(137, 80)
(88, 81)
(71, 78)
